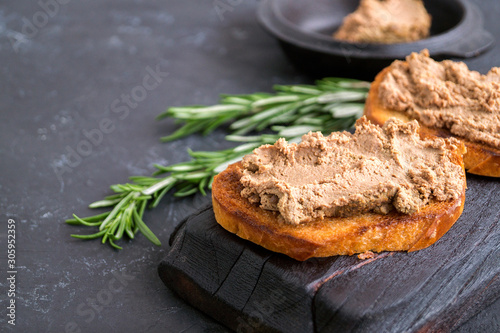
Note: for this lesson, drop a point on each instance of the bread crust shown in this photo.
(479, 158)
(330, 236)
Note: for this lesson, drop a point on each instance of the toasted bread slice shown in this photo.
(479, 159)
(331, 236)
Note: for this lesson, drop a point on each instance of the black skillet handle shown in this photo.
(471, 45)
(470, 39)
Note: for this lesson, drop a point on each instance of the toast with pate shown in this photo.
(448, 100)
(379, 189)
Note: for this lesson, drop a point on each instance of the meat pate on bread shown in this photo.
(448, 100)
(379, 189)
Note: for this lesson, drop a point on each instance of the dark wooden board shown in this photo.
(251, 289)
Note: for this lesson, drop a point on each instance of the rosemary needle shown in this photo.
(294, 110)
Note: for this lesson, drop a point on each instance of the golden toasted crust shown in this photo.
(479, 158)
(330, 236)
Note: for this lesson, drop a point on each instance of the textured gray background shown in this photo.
(61, 79)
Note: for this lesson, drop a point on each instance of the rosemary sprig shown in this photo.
(332, 104)
(130, 200)
(294, 106)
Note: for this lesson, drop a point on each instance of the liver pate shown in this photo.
(374, 170)
(445, 95)
(386, 21)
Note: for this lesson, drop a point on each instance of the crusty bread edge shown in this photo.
(367, 232)
(479, 159)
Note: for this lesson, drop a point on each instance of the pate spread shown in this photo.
(374, 170)
(445, 95)
(386, 21)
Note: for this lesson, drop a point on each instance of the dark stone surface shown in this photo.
(62, 78)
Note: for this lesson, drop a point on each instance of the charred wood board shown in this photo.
(251, 289)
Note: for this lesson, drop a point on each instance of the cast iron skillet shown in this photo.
(304, 30)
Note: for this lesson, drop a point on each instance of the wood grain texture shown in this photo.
(251, 289)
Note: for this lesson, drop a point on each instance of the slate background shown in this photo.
(60, 80)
